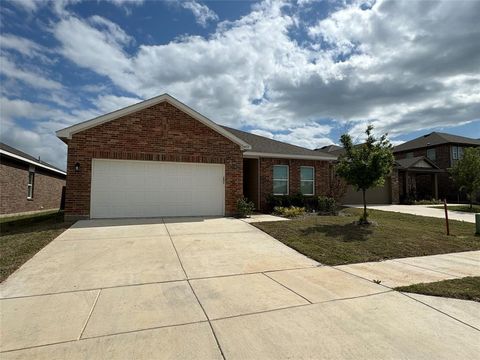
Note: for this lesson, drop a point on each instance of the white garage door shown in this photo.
(122, 188)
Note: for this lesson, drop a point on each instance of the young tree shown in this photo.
(466, 172)
(366, 165)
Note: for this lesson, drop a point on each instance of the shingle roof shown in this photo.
(332, 150)
(435, 138)
(261, 144)
(28, 157)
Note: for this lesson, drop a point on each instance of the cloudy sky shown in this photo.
(299, 71)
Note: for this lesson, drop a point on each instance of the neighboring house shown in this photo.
(162, 158)
(438, 149)
(420, 171)
(386, 194)
(28, 184)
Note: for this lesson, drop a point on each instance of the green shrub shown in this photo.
(428, 202)
(311, 203)
(289, 212)
(298, 200)
(275, 200)
(326, 205)
(245, 207)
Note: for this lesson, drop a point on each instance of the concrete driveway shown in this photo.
(211, 289)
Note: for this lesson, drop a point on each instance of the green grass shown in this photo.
(467, 288)
(335, 240)
(29, 217)
(23, 237)
(463, 208)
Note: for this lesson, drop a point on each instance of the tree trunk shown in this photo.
(364, 206)
(471, 201)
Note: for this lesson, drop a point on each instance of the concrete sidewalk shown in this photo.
(423, 210)
(414, 270)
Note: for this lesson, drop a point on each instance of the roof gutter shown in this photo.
(18, 157)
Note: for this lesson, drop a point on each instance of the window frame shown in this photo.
(312, 181)
(31, 184)
(434, 154)
(409, 155)
(455, 152)
(287, 180)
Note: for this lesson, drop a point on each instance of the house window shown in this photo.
(457, 152)
(432, 154)
(409, 155)
(307, 182)
(280, 180)
(31, 182)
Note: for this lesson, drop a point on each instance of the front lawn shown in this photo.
(335, 240)
(463, 208)
(467, 288)
(21, 238)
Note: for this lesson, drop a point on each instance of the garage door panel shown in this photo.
(122, 188)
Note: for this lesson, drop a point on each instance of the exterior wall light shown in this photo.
(77, 167)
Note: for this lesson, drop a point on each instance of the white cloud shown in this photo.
(388, 65)
(402, 66)
(111, 30)
(108, 103)
(24, 46)
(91, 48)
(28, 5)
(40, 140)
(34, 79)
(202, 13)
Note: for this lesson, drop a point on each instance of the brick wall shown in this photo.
(47, 191)
(442, 155)
(322, 176)
(159, 133)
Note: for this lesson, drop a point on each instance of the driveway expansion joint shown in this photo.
(286, 287)
(193, 291)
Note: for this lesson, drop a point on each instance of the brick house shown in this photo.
(440, 150)
(162, 158)
(28, 184)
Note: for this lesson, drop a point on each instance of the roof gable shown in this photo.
(69, 131)
(416, 162)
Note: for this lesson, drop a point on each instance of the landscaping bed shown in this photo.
(336, 240)
(23, 237)
(467, 288)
